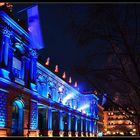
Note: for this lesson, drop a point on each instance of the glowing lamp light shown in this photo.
(75, 85)
(76, 134)
(114, 133)
(61, 133)
(108, 132)
(120, 122)
(50, 133)
(122, 133)
(64, 75)
(60, 89)
(95, 92)
(2, 3)
(83, 107)
(70, 80)
(69, 96)
(47, 61)
(69, 134)
(86, 134)
(84, 112)
(100, 134)
(75, 107)
(56, 68)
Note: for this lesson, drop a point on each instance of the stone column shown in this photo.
(4, 52)
(33, 118)
(86, 128)
(26, 63)
(50, 131)
(10, 63)
(96, 128)
(76, 126)
(22, 67)
(61, 124)
(10, 58)
(33, 66)
(69, 125)
(91, 126)
(93, 129)
(82, 127)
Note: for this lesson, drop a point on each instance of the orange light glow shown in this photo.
(47, 61)
(95, 92)
(64, 75)
(50, 133)
(2, 3)
(61, 133)
(76, 134)
(69, 134)
(70, 80)
(86, 134)
(56, 68)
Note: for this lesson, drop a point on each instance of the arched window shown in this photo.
(17, 118)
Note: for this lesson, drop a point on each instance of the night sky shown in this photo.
(60, 45)
(102, 38)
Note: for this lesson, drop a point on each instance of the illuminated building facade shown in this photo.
(116, 123)
(101, 119)
(33, 100)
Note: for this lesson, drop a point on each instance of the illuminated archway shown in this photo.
(17, 118)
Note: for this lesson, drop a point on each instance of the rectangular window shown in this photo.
(16, 63)
(16, 67)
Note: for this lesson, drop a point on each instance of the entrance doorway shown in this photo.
(17, 118)
(42, 122)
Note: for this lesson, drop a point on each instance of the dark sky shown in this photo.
(66, 26)
(59, 44)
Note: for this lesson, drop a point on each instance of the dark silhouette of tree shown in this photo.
(110, 34)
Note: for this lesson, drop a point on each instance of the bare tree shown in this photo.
(111, 35)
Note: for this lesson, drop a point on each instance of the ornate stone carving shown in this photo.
(24, 58)
(6, 32)
(41, 78)
(18, 44)
(33, 53)
(51, 85)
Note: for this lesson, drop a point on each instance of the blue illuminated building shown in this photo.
(33, 100)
